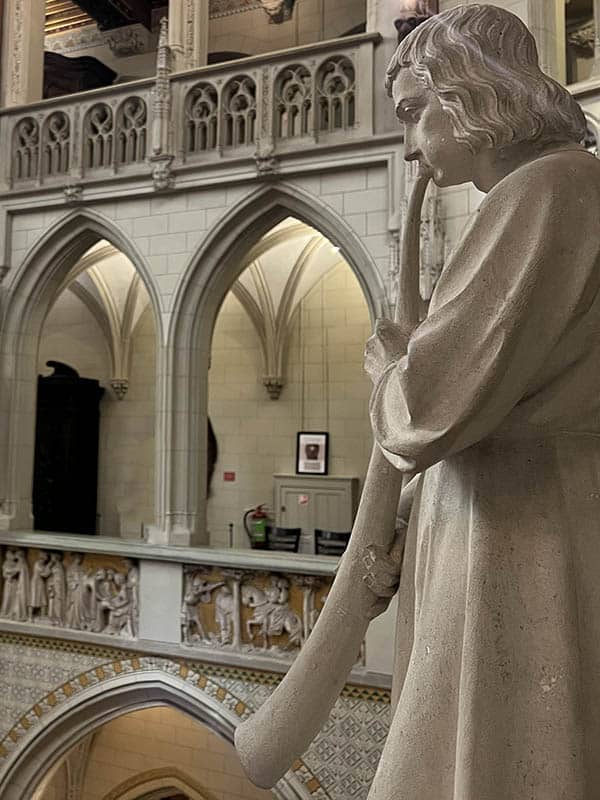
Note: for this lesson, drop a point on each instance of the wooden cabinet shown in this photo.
(66, 452)
(309, 502)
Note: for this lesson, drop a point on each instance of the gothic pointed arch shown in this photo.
(30, 289)
(210, 273)
(77, 709)
(155, 782)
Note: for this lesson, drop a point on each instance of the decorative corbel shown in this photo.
(266, 160)
(119, 387)
(73, 193)
(273, 384)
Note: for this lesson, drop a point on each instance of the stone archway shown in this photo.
(29, 292)
(210, 274)
(76, 709)
(156, 784)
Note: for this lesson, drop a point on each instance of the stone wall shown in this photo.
(326, 390)
(138, 748)
(44, 679)
(126, 454)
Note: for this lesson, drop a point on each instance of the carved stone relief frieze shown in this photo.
(263, 613)
(86, 593)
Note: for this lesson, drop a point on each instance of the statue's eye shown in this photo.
(408, 113)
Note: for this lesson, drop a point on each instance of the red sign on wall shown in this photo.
(229, 476)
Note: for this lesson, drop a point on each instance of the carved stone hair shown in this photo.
(482, 63)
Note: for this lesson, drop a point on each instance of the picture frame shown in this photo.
(312, 452)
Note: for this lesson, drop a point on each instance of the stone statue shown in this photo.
(119, 608)
(76, 614)
(197, 590)
(272, 613)
(38, 596)
(492, 401)
(19, 609)
(133, 582)
(56, 588)
(10, 576)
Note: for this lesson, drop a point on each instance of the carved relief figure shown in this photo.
(118, 607)
(224, 611)
(272, 612)
(492, 401)
(56, 589)
(10, 575)
(19, 610)
(133, 581)
(76, 594)
(101, 584)
(38, 596)
(197, 590)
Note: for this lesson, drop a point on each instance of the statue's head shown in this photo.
(468, 80)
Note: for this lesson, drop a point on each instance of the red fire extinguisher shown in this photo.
(257, 527)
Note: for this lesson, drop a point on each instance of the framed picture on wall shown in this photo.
(311, 453)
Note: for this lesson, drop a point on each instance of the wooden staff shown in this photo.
(284, 726)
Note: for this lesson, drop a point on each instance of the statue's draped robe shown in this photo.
(497, 677)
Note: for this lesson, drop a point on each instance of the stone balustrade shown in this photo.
(257, 108)
(239, 607)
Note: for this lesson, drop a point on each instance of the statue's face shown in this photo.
(429, 137)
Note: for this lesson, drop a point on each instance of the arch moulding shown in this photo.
(209, 275)
(74, 710)
(30, 290)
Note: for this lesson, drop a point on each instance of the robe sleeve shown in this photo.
(521, 273)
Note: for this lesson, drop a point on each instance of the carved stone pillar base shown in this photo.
(178, 535)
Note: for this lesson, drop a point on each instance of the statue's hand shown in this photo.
(387, 344)
(382, 572)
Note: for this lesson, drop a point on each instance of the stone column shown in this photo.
(188, 33)
(381, 16)
(546, 22)
(596, 68)
(22, 66)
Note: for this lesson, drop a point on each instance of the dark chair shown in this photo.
(330, 543)
(283, 539)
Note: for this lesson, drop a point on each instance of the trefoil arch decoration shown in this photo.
(239, 112)
(336, 92)
(293, 101)
(99, 136)
(201, 118)
(26, 149)
(132, 133)
(56, 142)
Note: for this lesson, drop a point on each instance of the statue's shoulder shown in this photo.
(560, 165)
(557, 177)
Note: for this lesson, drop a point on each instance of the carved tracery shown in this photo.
(56, 143)
(132, 131)
(201, 115)
(336, 94)
(239, 112)
(293, 101)
(26, 143)
(99, 136)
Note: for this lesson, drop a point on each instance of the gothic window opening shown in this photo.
(294, 102)
(26, 142)
(132, 131)
(202, 107)
(56, 144)
(239, 112)
(99, 137)
(336, 93)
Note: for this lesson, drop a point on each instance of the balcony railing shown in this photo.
(258, 107)
(229, 606)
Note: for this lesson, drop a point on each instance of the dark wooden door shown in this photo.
(66, 452)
